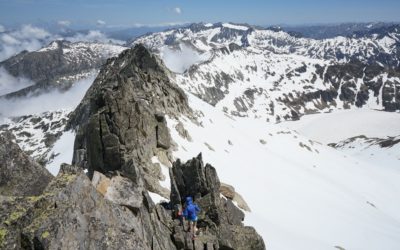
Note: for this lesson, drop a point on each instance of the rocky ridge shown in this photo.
(121, 122)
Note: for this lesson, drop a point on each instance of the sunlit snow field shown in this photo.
(343, 124)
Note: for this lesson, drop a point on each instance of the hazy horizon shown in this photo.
(157, 13)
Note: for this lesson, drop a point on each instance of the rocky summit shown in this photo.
(121, 121)
(103, 200)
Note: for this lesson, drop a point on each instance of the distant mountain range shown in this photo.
(269, 73)
(325, 31)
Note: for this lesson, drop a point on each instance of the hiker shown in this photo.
(178, 211)
(190, 214)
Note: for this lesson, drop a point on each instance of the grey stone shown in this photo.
(227, 190)
(121, 121)
(71, 214)
(19, 173)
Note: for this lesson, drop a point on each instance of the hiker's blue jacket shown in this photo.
(191, 210)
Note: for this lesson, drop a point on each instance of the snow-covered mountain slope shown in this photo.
(383, 151)
(340, 125)
(59, 64)
(43, 137)
(369, 135)
(343, 29)
(37, 133)
(272, 75)
(340, 49)
(303, 195)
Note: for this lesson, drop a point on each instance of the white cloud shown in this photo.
(31, 32)
(9, 83)
(2, 29)
(152, 25)
(9, 40)
(101, 22)
(27, 37)
(93, 36)
(50, 101)
(64, 23)
(32, 38)
(179, 60)
(177, 10)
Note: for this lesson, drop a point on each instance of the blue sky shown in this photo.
(154, 12)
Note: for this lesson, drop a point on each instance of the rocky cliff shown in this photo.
(121, 121)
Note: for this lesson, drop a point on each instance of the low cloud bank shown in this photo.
(179, 60)
(9, 83)
(50, 101)
(31, 38)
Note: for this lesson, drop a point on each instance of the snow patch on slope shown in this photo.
(235, 27)
(340, 125)
(63, 151)
(379, 151)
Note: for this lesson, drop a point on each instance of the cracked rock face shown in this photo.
(71, 214)
(121, 123)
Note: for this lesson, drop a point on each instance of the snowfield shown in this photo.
(62, 151)
(303, 195)
(343, 124)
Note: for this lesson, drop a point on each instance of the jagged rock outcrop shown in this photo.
(70, 214)
(19, 174)
(121, 121)
(220, 221)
